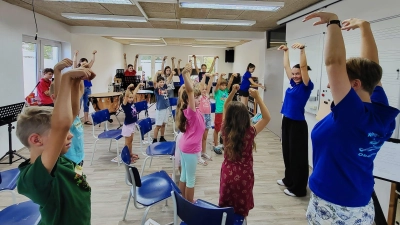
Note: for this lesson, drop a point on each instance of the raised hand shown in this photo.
(124, 55)
(65, 63)
(298, 46)
(79, 73)
(76, 52)
(223, 74)
(187, 68)
(207, 75)
(180, 60)
(216, 57)
(173, 58)
(324, 17)
(94, 52)
(235, 87)
(353, 23)
(194, 56)
(131, 86)
(235, 74)
(283, 47)
(137, 56)
(165, 58)
(254, 93)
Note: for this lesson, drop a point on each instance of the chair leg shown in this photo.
(118, 157)
(151, 160)
(14, 197)
(145, 215)
(173, 168)
(109, 147)
(127, 205)
(144, 165)
(94, 149)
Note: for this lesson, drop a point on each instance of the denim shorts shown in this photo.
(85, 99)
(207, 120)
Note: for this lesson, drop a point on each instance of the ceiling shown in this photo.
(264, 20)
(182, 42)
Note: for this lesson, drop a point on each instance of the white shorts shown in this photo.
(178, 150)
(128, 130)
(162, 116)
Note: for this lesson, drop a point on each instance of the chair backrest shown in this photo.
(132, 173)
(145, 126)
(8, 179)
(100, 116)
(173, 101)
(213, 107)
(24, 213)
(140, 106)
(193, 214)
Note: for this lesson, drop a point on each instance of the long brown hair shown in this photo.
(182, 105)
(235, 124)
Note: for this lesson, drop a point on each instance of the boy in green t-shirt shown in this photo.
(221, 94)
(50, 180)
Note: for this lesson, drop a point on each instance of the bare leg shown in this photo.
(204, 142)
(156, 132)
(215, 138)
(189, 194)
(162, 129)
(244, 100)
(86, 116)
(182, 187)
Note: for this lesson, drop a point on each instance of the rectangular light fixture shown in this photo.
(151, 45)
(208, 46)
(218, 22)
(121, 2)
(207, 40)
(77, 16)
(139, 39)
(233, 5)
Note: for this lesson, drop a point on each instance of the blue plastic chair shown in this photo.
(147, 190)
(202, 212)
(98, 118)
(24, 213)
(173, 102)
(158, 149)
(8, 182)
(142, 106)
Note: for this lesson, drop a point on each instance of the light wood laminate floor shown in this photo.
(110, 192)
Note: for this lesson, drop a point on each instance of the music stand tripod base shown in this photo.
(8, 115)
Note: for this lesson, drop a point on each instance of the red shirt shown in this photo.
(44, 85)
(127, 73)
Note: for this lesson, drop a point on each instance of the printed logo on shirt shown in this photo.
(163, 92)
(134, 112)
(224, 96)
(81, 181)
(375, 143)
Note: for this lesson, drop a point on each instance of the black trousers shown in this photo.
(295, 155)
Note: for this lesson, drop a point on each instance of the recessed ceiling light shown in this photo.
(77, 16)
(218, 22)
(121, 2)
(132, 38)
(208, 46)
(233, 5)
(204, 40)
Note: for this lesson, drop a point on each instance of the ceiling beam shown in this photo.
(167, 33)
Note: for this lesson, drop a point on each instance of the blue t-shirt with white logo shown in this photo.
(130, 113)
(76, 152)
(296, 98)
(345, 144)
(162, 100)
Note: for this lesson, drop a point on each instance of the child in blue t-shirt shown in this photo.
(162, 105)
(247, 81)
(129, 127)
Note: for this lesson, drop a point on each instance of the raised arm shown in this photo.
(155, 78)
(209, 85)
(219, 81)
(179, 66)
(286, 62)
(266, 117)
(125, 64)
(163, 64)
(195, 64)
(135, 64)
(127, 93)
(228, 100)
(76, 96)
(303, 63)
(335, 56)
(231, 80)
(62, 117)
(213, 64)
(173, 64)
(189, 86)
(93, 58)
(75, 60)
(369, 50)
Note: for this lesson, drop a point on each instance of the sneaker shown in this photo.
(280, 182)
(201, 161)
(115, 159)
(287, 192)
(162, 139)
(217, 150)
(206, 156)
(154, 140)
(221, 146)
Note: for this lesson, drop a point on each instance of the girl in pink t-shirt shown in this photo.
(205, 109)
(191, 123)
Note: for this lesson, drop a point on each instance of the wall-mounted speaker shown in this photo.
(229, 56)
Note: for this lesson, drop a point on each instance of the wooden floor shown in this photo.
(110, 192)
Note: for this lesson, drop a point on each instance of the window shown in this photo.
(202, 59)
(150, 64)
(38, 55)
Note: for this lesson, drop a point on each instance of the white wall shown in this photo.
(15, 22)
(108, 59)
(179, 52)
(251, 52)
(369, 10)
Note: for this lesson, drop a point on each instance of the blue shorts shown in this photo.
(207, 120)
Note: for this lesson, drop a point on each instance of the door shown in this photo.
(30, 67)
(50, 54)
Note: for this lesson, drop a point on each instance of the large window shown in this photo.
(36, 56)
(202, 59)
(150, 64)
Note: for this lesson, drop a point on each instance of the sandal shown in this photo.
(206, 156)
(135, 156)
(88, 123)
(202, 162)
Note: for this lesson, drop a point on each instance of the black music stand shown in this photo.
(8, 115)
(127, 80)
